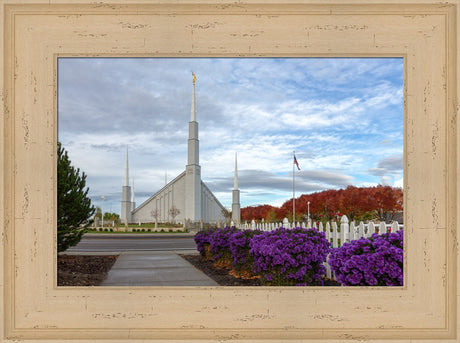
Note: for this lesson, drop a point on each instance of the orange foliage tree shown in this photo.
(258, 212)
(357, 203)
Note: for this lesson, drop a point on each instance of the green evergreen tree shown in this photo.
(74, 206)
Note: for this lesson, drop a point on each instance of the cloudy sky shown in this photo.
(342, 116)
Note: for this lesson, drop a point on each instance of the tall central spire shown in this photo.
(193, 111)
(193, 143)
(193, 169)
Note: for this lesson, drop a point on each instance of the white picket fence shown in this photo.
(348, 231)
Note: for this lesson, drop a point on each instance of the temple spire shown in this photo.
(193, 191)
(235, 181)
(236, 207)
(132, 192)
(126, 199)
(193, 143)
(126, 169)
(193, 111)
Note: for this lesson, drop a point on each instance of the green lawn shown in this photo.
(140, 229)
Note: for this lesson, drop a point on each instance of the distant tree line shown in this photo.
(109, 217)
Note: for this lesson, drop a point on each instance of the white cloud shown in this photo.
(399, 183)
(343, 117)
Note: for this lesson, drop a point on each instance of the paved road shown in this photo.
(134, 242)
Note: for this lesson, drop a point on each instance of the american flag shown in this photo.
(296, 163)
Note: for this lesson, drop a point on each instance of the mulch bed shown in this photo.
(223, 275)
(219, 275)
(79, 270)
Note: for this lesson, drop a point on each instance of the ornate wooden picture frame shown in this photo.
(35, 34)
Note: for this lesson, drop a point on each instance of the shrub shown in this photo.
(288, 257)
(374, 261)
(239, 249)
(149, 230)
(220, 246)
(202, 240)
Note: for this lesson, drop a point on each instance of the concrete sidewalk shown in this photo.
(155, 268)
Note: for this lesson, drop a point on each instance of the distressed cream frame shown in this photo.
(34, 34)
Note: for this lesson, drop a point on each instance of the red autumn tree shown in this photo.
(359, 203)
(257, 212)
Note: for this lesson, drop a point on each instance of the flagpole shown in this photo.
(293, 190)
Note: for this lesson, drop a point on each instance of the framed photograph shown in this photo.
(36, 34)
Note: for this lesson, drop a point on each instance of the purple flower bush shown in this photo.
(288, 257)
(239, 249)
(374, 261)
(220, 243)
(203, 239)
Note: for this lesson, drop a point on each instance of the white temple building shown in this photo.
(187, 192)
